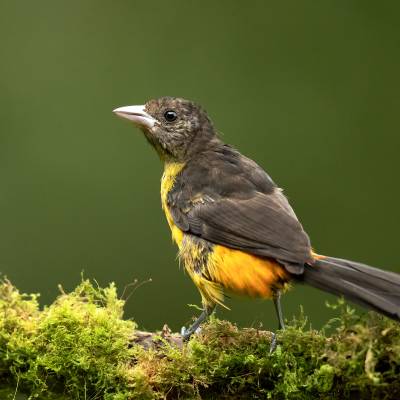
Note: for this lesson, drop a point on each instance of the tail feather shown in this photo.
(366, 286)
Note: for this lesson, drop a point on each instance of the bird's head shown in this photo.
(177, 128)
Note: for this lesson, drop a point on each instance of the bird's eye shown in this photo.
(170, 115)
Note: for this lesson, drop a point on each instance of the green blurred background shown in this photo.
(308, 89)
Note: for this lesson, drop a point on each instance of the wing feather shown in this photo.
(257, 225)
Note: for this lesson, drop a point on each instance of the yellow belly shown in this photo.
(246, 274)
(216, 269)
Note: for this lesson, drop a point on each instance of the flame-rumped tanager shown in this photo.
(234, 228)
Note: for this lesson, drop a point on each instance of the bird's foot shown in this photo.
(184, 333)
(273, 344)
(187, 333)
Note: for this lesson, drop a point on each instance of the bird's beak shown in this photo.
(137, 115)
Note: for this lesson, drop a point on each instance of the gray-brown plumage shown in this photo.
(241, 207)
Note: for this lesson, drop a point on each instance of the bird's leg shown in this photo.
(207, 311)
(278, 309)
(279, 314)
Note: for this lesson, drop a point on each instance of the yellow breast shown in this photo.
(171, 170)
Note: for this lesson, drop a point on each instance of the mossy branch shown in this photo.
(80, 347)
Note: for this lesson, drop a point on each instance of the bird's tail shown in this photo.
(364, 285)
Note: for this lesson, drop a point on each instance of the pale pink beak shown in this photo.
(137, 115)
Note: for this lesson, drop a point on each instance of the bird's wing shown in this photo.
(261, 224)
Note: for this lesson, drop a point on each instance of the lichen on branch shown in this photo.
(80, 347)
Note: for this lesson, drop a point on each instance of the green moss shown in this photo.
(80, 347)
(75, 346)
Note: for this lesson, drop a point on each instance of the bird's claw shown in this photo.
(273, 345)
(186, 333)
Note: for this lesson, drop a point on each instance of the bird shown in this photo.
(235, 229)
